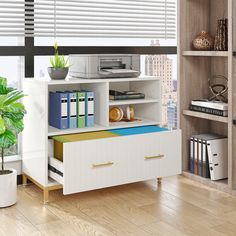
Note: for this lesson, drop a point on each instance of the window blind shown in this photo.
(89, 18)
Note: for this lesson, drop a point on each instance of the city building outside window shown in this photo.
(165, 67)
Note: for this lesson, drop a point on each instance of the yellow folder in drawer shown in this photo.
(60, 140)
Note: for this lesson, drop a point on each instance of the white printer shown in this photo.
(93, 66)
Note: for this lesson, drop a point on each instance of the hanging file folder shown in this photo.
(72, 110)
(58, 112)
(80, 109)
(89, 109)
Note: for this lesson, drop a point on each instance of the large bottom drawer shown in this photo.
(94, 164)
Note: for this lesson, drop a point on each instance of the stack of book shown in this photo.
(211, 107)
(125, 95)
(71, 109)
(209, 156)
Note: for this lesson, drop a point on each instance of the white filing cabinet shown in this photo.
(98, 163)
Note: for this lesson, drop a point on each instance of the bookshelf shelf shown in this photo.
(221, 185)
(205, 53)
(134, 101)
(202, 115)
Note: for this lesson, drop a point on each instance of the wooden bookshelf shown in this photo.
(194, 70)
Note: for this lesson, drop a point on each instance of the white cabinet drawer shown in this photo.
(113, 161)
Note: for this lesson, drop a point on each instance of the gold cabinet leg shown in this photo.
(24, 180)
(45, 195)
(159, 180)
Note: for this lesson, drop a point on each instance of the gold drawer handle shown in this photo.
(154, 157)
(103, 164)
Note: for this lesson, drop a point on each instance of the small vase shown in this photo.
(204, 42)
(58, 73)
(221, 38)
(8, 186)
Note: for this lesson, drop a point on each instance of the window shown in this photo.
(28, 29)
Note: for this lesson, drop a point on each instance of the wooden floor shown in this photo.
(178, 207)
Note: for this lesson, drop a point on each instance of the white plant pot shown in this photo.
(8, 185)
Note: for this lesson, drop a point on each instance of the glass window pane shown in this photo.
(165, 67)
(12, 69)
(11, 41)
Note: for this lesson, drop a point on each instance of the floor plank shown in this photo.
(178, 206)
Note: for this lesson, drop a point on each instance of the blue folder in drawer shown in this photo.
(138, 130)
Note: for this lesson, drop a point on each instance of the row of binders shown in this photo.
(71, 109)
(209, 156)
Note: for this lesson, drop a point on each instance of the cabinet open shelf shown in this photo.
(206, 116)
(133, 101)
(205, 53)
(52, 131)
(140, 122)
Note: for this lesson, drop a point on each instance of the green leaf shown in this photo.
(15, 108)
(2, 125)
(7, 139)
(3, 85)
(52, 61)
(14, 116)
(3, 82)
(16, 126)
(13, 96)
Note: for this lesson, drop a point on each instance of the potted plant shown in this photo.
(11, 124)
(59, 65)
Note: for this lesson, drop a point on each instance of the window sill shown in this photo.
(12, 158)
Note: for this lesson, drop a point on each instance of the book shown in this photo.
(209, 110)
(210, 104)
(118, 95)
